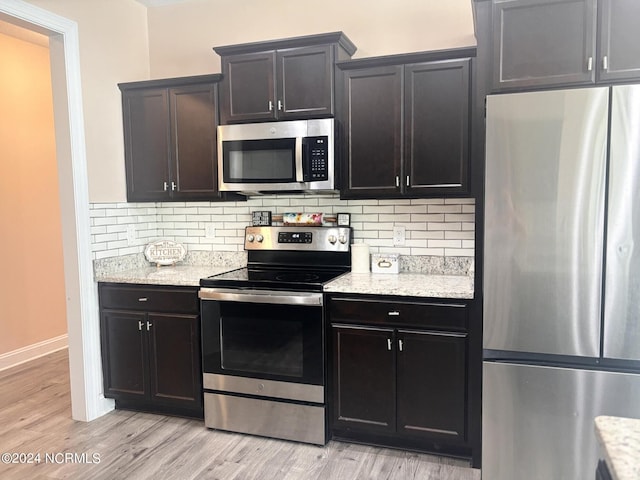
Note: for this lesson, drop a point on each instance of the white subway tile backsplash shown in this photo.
(459, 217)
(444, 226)
(413, 209)
(458, 252)
(427, 217)
(429, 201)
(444, 208)
(403, 217)
(434, 227)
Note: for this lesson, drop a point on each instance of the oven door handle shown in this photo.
(261, 296)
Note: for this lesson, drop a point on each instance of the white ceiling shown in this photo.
(158, 3)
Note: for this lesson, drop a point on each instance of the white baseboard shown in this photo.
(31, 352)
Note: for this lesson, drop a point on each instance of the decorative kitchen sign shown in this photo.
(165, 252)
(261, 218)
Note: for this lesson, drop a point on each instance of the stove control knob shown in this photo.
(342, 239)
(259, 238)
(250, 238)
(332, 239)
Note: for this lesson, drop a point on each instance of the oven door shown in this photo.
(265, 343)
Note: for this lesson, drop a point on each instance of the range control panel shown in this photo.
(295, 237)
(328, 239)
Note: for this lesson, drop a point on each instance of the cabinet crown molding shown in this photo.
(305, 41)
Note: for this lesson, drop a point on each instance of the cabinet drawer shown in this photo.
(148, 298)
(449, 316)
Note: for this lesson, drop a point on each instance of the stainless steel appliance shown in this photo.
(263, 342)
(561, 278)
(277, 156)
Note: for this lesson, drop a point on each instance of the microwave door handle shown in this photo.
(298, 159)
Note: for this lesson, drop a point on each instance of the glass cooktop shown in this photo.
(273, 278)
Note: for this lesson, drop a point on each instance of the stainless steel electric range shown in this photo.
(263, 342)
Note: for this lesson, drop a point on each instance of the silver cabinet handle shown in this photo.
(140, 325)
(407, 180)
(270, 106)
(280, 105)
(149, 325)
(165, 186)
(400, 344)
(397, 180)
(389, 344)
(173, 186)
(143, 299)
(393, 313)
(590, 64)
(605, 63)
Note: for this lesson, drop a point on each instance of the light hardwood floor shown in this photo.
(35, 417)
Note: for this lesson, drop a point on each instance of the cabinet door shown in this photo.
(247, 91)
(437, 127)
(146, 142)
(431, 376)
(193, 137)
(305, 82)
(363, 379)
(124, 355)
(373, 132)
(174, 350)
(619, 39)
(543, 42)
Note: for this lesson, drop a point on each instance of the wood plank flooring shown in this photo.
(35, 417)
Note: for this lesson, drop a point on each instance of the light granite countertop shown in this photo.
(620, 441)
(404, 284)
(188, 275)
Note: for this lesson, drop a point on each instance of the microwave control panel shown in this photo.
(316, 159)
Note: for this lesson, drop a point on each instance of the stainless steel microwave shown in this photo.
(292, 156)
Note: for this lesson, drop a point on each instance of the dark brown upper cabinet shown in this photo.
(170, 139)
(540, 43)
(406, 125)
(619, 40)
(281, 79)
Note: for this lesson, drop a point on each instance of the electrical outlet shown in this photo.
(210, 231)
(131, 235)
(399, 235)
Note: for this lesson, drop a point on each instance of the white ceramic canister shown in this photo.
(360, 258)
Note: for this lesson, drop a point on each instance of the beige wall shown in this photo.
(181, 36)
(113, 49)
(32, 295)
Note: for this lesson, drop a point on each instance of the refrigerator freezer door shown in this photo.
(538, 422)
(622, 290)
(544, 221)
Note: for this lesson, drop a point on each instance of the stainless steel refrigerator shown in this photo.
(561, 278)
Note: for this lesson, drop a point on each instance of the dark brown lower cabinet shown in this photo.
(397, 386)
(151, 358)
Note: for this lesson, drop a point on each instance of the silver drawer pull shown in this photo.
(394, 313)
(143, 299)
